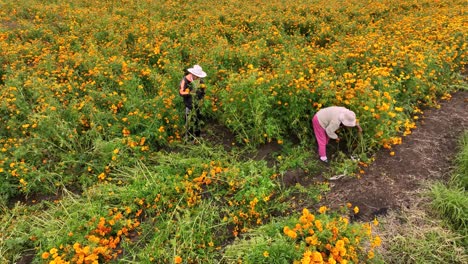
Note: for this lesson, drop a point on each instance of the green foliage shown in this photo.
(452, 204)
(460, 176)
(263, 245)
(450, 201)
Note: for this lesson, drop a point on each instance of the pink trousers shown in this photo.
(321, 136)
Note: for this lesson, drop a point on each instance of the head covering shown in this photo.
(197, 71)
(348, 118)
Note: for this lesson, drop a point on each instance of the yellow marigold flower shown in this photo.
(446, 96)
(266, 254)
(356, 209)
(377, 242)
(318, 224)
(340, 244)
(23, 182)
(312, 240)
(102, 176)
(93, 238)
(323, 209)
(376, 222)
(317, 257)
(306, 257)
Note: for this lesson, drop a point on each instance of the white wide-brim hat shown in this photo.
(197, 71)
(348, 118)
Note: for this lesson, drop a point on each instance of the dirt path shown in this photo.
(426, 154)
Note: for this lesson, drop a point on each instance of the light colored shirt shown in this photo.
(329, 119)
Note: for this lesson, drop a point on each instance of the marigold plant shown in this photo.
(331, 238)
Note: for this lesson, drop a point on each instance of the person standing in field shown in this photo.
(192, 90)
(325, 123)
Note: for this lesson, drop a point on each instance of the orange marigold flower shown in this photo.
(45, 255)
(323, 209)
(316, 257)
(177, 260)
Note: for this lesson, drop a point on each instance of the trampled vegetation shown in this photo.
(90, 111)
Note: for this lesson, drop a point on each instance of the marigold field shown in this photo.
(91, 123)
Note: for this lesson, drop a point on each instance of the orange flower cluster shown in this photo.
(330, 239)
(193, 184)
(101, 243)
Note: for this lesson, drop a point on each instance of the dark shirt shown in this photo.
(188, 98)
